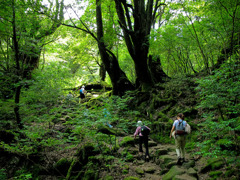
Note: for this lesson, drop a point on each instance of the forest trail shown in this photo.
(161, 166)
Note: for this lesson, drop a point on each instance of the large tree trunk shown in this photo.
(118, 78)
(136, 31)
(157, 73)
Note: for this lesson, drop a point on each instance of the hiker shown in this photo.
(180, 137)
(82, 92)
(143, 138)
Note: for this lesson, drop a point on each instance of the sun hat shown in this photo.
(139, 123)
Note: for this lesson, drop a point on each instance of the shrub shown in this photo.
(220, 103)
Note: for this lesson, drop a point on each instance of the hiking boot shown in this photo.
(179, 161)
(147, 158)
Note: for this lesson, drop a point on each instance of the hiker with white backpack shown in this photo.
(181, 130)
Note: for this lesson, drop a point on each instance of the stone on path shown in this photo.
(188, 164)
(139, 171)
(150, 170)
(152, 143)
(184, 177)
(192, 172)
(175, 170)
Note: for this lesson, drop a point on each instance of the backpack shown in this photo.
(145, 131)
(81, 91)
(180, 129)
(188, 129)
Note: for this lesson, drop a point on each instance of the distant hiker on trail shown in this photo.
(143, 132)
(180, 137)
(82, 92)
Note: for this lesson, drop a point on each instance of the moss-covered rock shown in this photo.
(189, 164)
(150, 170)
(164, 171)
(139, 171)
(106, 130)
(127, 141)
(192, 172)
(213, 164)
(165, 160)
(173, 172)
(170, 164)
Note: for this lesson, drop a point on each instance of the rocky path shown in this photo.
(162, 164)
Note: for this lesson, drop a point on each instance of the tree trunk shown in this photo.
(118, 78)
(158, 75)
(16, 108)
(136, 34)
(16, 56)
(102, 72)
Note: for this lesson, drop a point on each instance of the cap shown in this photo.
(139, 123)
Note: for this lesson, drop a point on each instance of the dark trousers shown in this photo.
(143, 140)
(82, 96)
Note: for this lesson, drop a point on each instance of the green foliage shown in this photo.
(23, 175)
(48, 84)
(220, 101)
(3, 174)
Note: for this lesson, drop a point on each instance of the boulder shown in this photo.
(213, 164)
(167, 160)
(173, 172)
(170, 164)
(139, 171)
(189, 164)
(106, 130)
(150, 170)
(192, 172)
